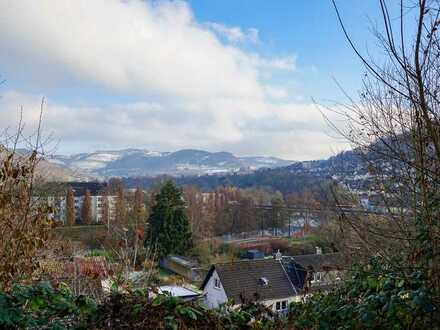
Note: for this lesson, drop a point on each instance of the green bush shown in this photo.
(137, 311)
(376, 297)
(43, 307)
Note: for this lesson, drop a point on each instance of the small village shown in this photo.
(219, 165)
(255, 272)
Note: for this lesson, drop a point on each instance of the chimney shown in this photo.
(318, 250)
(278, 255)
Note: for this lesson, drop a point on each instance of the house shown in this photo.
(184, 267)
(313, 272)
(260, 280)
(273, 282)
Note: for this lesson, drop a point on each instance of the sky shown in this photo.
(245, 76)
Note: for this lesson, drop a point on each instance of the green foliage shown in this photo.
(169, 229)
(43, 307)
(376, 297)
(101, 253)
(137, 311)
(202, 252)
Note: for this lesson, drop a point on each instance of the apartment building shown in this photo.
(98, 202)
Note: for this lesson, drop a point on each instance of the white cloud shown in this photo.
(290, 130)
(207, 93)
(135, 46)
(235, 34)
(282, 63)
(276, 92)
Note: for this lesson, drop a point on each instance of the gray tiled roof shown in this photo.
(320, 262)
(242, 280)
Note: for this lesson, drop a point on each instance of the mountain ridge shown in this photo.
(142, 162)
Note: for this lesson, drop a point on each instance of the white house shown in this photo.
(263, 280)
(274, 283)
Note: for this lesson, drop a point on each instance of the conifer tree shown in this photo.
(105, 219)
(86, 209)
(70, 207)
(169, 230)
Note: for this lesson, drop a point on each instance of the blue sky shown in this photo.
(308, 29)
(228, 75)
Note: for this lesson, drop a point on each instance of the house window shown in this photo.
(318, 277)
(217, 283)
(281, 305)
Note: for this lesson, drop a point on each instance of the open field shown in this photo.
(91, 236)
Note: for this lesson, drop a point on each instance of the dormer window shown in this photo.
(263, 281)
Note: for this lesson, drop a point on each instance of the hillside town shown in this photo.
(222, 164)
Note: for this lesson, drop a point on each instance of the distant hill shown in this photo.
(139, 162)
(281, 179)
(50, 171)
(60, 173)
(347, 168)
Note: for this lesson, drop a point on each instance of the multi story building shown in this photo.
(98, 202)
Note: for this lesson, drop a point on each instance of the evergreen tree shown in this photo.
(105, 219)
(86, 209)
(70, 207)
(169, 230)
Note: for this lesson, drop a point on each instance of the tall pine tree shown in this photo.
(86, 209)
(106, 209)
(70, 207)
(169, 230)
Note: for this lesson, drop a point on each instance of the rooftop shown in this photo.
(242, 280)
(178, 291)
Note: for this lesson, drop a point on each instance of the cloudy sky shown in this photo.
(219, 75)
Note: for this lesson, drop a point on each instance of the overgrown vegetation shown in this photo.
(24, 220)
(44, 307)
(375, 297)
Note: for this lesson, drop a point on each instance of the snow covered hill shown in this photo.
(139, 162)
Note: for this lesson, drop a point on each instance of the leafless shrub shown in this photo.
(24, 219)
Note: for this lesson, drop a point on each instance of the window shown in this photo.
(318, 277)
(264, 281)
(217, 283)
(281, 305)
